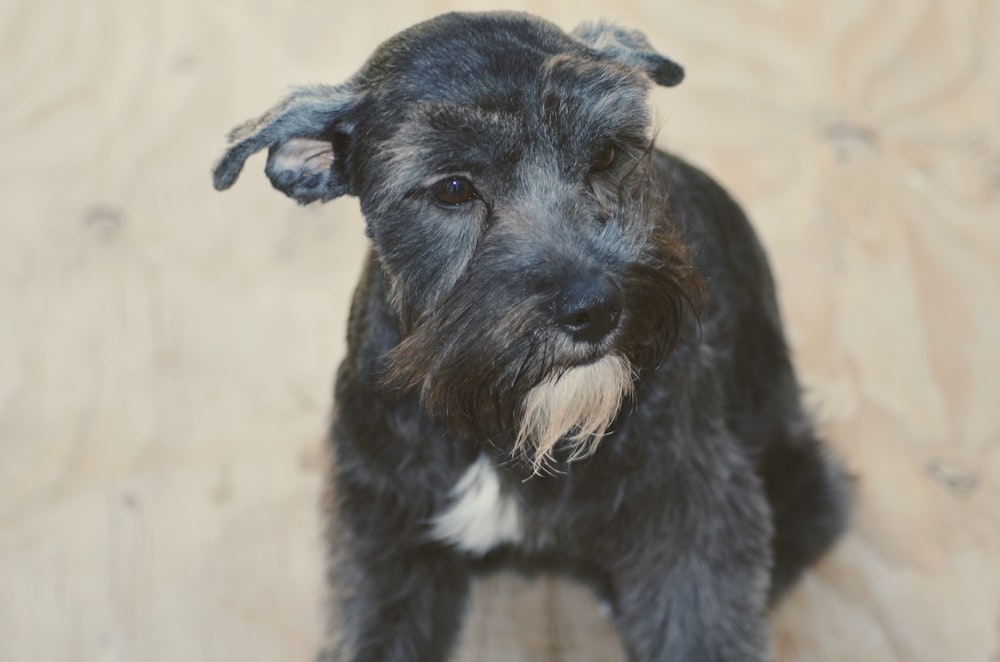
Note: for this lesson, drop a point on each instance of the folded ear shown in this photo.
(300, 134)
(629, 47)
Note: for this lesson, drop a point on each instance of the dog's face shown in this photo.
(503, 169)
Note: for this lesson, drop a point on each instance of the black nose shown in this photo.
(588, 308)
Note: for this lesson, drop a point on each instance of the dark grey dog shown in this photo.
(564, 350)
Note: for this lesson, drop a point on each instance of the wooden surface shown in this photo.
(166, 352)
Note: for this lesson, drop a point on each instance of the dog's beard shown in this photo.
(576, 406)
(489, 362)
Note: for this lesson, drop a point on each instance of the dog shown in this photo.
(564, 351)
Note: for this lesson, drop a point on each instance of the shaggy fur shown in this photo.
(564, 349)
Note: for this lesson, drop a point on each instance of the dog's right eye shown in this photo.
(604, 159)
(454, 191)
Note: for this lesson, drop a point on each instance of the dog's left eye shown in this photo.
(604, 159)
(454, 191)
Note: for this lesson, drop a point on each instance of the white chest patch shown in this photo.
(480, 517)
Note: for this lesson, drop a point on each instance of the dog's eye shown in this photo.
(604, 159)
(454, 191)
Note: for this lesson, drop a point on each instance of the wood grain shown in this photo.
(167, 352)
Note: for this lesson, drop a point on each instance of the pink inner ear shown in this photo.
(302, 155)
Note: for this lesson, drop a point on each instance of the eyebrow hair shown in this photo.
(465, 116)
(483, 132)
(599, 96)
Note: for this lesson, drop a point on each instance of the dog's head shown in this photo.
(503, 168)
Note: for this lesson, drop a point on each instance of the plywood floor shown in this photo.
(166, 352)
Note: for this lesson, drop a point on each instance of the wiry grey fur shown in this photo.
(564, 350)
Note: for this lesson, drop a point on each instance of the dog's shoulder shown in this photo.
(723, 245)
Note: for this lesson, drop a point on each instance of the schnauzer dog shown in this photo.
(564, 349)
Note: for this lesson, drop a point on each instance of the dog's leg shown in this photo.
(809, 495)
(699, 610)
(400, 604)
(695, 588)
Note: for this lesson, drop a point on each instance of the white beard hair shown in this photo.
(578, 405)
